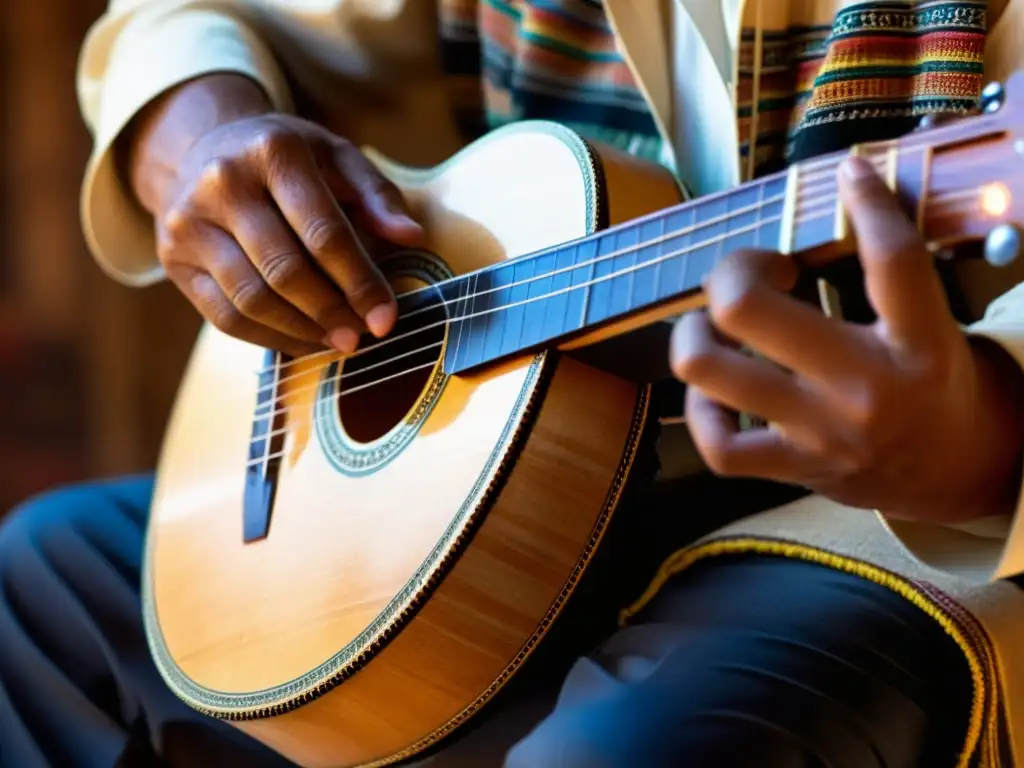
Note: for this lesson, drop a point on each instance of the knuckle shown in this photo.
(213, 306)
(738, 260)
(219, 174)
(177, 222)
(322, 236)
(385, 188)
(166, 252)
(364, 290)
(182, 277)
(695, 364)
(335, 315)
(735, 310)
(225, 318)
(250, 297)
(872, 190)
(903, 245)
(718, 458)
(866, 411)
(282, 270)
(939, 369)
(345, 150)
(275, 140)
(851, 459)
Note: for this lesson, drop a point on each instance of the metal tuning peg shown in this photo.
(1003, 245)
(992, 97)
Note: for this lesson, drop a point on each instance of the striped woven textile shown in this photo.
(556, 60)
(878, 67)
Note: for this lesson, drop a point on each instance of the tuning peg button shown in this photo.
(1003, 245)
(992, 97)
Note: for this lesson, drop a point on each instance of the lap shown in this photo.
(762, 661)
(77, 686)
(738, 661)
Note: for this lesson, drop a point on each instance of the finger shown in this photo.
(734, 379)
(285, 266)
(378, 198)
(730, 452)
(746, 301)
(205, 294)
(296, 184)
(901, 280)
(245, 287)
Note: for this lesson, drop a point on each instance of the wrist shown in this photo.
(154, 144)
(999, 435)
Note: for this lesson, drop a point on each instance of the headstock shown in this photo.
(971, 175)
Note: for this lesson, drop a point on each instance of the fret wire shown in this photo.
(604, 278)
(484, 331)
(693, 246)
(632, 275)
(757, 214)
(681, 233)
(508, 339)
(460, 313)
(720, 245)
(565, 312)
(614, 239)
(657, 264)
(528, 288)
(596, 293)
(536, 283)
(546, 309)
(586, 290)
(685, 267)
(472, 314)
(491, 331)
(274, 378)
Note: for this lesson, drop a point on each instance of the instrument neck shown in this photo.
(633, 273)
(952, 181)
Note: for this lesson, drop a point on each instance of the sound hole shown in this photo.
(383, 382)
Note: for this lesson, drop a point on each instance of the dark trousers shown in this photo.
(740, 661)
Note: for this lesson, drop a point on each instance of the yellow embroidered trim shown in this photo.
(979, 660)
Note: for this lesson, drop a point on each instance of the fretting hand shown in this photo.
(909, 416)
(250, 222)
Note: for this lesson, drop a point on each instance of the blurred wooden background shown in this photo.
(88, 369)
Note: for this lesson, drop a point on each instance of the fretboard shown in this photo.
(540, 298)
(563, 295)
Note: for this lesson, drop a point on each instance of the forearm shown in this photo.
(153, 145)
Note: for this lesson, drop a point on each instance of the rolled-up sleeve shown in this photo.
(134, 53)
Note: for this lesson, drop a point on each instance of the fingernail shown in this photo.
(858, 169)
(398, 211)
(343, 339)
(380, 319)
(411, 225)
(400, 214)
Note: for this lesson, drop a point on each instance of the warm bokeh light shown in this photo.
(995, 200)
